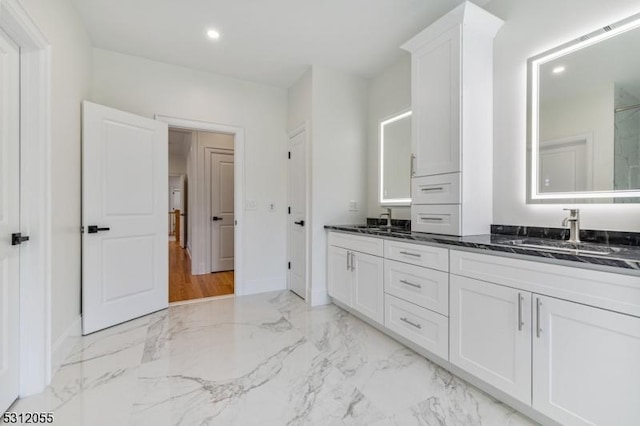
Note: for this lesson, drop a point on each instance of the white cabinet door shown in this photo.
(368, 285)
(339, 275)
(436, 76)
(586, 364)
(490, 335)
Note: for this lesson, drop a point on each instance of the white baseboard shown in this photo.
(62, 347)
(263, 285)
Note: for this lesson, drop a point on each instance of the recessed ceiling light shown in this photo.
(559, 69)
(213, 34)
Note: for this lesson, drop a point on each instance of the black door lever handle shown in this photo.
(18, 238)
(216, 218)
(93, 229)
(301, 223)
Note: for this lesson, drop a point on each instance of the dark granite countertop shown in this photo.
(625, 258)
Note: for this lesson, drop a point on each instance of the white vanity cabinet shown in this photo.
(452, 133)
(576, 364)
(491, 334)
(355, 273)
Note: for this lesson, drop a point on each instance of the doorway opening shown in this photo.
(202, 223)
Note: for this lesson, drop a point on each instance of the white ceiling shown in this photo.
(269, 42)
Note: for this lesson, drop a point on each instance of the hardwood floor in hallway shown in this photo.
(184, 286)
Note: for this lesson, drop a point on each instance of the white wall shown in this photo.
(70, 83)
(299, 101)
(339, 166)
(389, 94)
(146, 87)
(532, 27)
(177, 164)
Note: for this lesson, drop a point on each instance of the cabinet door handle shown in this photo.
(410, 254)
(520, 323)
(435, 188)
(404, 319)
(410, 284)
(538, 328)
(413, 170)
(353, 261)
(348, 261)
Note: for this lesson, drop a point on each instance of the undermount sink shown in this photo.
(565, 246)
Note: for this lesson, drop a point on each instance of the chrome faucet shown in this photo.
(573, 220)
(387, 213)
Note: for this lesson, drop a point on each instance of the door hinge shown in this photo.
(289, 265)
(289, 210)
(289, 155)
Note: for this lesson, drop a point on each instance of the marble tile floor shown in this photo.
(257, 360)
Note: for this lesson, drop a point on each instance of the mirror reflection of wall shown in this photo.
(588, 115)
(395, 156)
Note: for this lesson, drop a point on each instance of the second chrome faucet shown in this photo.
(573, 220)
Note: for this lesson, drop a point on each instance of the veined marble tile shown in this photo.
(259, 360)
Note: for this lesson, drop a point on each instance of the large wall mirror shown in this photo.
(395, 160)
(584, 118)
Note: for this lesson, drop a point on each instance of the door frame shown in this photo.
(198, 193)
(304, 127)
(35, 196)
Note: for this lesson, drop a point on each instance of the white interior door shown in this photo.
(9, 219)
(298, 214)
(563, 167)
(222, 212)
(124, 201)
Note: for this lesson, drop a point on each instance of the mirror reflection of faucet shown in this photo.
(573, 220)
(387, 213)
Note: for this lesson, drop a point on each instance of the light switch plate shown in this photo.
(353, 206)
(251, 205)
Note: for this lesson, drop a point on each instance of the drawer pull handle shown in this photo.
(411, 284)
(410, 254)
(436, 219)
(439, 188)
(410, 323)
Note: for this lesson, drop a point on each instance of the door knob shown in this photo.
(94, 229)
(216, 218)
(301, 223)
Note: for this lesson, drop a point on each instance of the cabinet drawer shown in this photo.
(424, 287)
(422, 326)
(616, 292)
(367, 245)
(436, 219)
(438, 189)
(416, 254)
